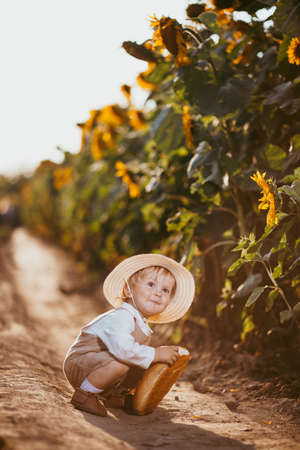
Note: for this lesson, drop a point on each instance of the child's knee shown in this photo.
(118, 368)
(108, 374)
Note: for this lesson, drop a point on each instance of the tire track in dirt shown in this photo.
(39, 320)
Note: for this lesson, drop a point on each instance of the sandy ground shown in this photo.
(43, 303)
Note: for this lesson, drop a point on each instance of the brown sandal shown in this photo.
(89, 402)
(120, 401)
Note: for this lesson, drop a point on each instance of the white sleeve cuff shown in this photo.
(151, 356)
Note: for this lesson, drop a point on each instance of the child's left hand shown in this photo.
(166, 353)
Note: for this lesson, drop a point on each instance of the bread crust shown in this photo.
(156, 383)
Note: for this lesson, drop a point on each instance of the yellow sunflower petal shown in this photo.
(187, 126)
(126, 90)
(121, 169)
(293, 51)
(134, 190)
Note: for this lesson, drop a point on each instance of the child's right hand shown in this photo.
(166, 353)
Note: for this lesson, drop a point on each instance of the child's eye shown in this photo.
(150, 283)
(166, 291)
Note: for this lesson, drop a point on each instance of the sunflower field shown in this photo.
(207, 173)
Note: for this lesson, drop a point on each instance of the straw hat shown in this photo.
(185, 285)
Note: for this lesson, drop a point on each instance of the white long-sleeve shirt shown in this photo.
(114, 328)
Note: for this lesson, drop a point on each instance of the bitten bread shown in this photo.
(156, 383)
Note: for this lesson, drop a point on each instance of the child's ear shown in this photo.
(126, 291)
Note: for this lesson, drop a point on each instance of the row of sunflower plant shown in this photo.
(182, 176)
(9, 206)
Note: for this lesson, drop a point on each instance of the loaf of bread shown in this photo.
(156, 383)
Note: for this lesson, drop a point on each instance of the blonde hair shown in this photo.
(158, 271)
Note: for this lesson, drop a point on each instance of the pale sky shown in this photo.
(60, 59)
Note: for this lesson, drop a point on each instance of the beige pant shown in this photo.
(88, 354)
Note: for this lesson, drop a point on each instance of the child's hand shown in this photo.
(166, 353)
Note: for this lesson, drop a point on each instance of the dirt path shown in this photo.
(41, 310)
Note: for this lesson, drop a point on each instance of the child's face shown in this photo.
(152, 293)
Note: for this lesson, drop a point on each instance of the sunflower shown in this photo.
(62, 177)
(139, 51)
(224, 17)
(237, 35)
(244, 56)
(121, 171)
(97, 144)
(90, 123)
(267, 201)
(136, 119)
(134, 190)
(181, 58)
(187, 126)
(156, 24)
(112, 115)
(293, 51)
(141, 78)
(194, 10)
(126, 90)
(108, 137)
(168, 34)
(144, 84)
(83, 135)
(224, 4)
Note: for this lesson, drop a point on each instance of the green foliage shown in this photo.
(195, 200)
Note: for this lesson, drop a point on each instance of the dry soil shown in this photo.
(44, 299)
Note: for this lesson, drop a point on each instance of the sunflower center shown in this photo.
(297, 51)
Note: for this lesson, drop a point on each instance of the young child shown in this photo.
(112, 352)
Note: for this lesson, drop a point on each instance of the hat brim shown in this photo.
(185, 285)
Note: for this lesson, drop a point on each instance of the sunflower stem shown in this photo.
(281, 292)
(240, 212)
(218, 244)
(214, 68)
